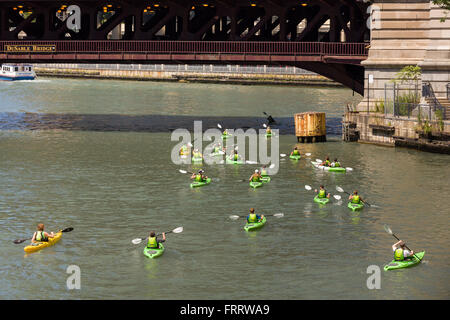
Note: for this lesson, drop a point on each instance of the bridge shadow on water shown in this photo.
(144, 123)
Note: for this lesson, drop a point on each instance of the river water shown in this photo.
(113, 184)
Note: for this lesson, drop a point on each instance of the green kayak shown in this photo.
(405, 263)
(154, 252)
(255, 225)
(268, 134)
(336, 169)
(200, 184)
(255, 185)
(295, 157)
(265, 179)
(229, 161)
(321, 200)
(355, 206)
(197, 159)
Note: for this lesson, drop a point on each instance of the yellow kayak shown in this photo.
(41, 245)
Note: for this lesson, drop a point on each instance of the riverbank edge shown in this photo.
(382, 130)
(166, 76)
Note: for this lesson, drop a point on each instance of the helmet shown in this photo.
(256, 171)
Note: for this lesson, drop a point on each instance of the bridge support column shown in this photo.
(406, 33)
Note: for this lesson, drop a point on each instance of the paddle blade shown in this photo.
(20, 241)
(318, 160)
(178, 230)
(349, 169)
(234, 217)
(282, 155)
(308, 187)
(219, 125)
(190, 145)
(279, 215)
(272, 166)
(387, 229)
(337, 197)
(265, 125)
(182, 171)
(307, 154)
(67, 230)
(136, 241)
(339, 189)
(251, 162)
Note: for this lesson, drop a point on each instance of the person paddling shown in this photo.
(326, 163)
(336, 163)
(296, 152)
(355, 198)
(196, 154)
(268, 130)
(40, 235)
(264, 171)
(184, 150)
(234, 156)
(153, 241)
(253, 217)
(256, 177)
(322, 193)
(400, 251)
(199, 177)
(217, 148)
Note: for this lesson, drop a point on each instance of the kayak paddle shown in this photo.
(388, 230)
(184, 171)
(277, 215)
(176, 230)
(23, 240)
(342, 190)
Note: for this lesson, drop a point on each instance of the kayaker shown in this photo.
(225, 132)
(355, 198)
(322, 193)
(264, 171)
(327, 162)
(196, 154)
(336, 163)
(234, 156)
(153, 241)
(268, 130)
(199, 177)
(217, 148)
(296, 152)
(400, 251)
(40, 235)
(184, 150)
(256, 177)
(253, 217)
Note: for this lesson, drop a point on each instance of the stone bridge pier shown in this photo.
(406, 32)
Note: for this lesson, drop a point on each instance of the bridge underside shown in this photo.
(214, 20)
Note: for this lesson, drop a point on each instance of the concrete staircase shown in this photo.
(444, 103)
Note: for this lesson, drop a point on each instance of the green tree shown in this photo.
(445, 4)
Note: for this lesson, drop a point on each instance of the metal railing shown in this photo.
(197, 47)
(236, 69)
(435, 105)
(448, 91)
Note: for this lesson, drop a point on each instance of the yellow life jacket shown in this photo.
(152, 243)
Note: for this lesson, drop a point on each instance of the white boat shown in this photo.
(12, 72)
